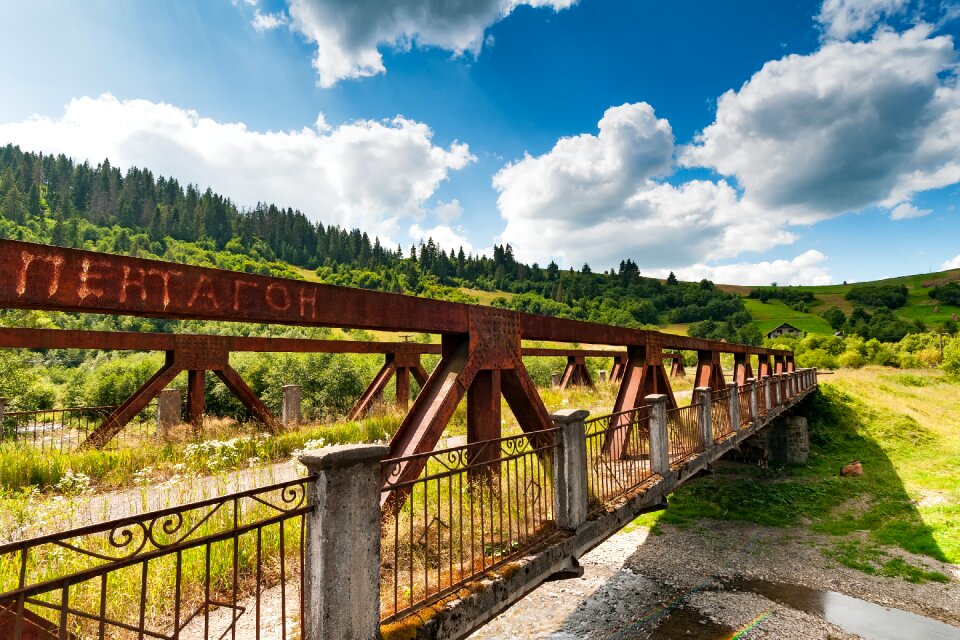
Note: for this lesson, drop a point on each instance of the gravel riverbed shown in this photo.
(683, 583)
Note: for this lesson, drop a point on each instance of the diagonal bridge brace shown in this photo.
(195, 355)
(483, 365)
(400, 364)
(643, 374)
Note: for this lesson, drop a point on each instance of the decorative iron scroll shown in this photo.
(105, 578)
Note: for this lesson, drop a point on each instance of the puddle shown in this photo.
(688, 623)
(868, 620)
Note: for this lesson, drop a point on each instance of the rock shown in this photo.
(855, 468)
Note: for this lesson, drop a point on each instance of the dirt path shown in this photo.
(61, 513)
(678, 584)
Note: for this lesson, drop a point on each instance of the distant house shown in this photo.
(784, 330)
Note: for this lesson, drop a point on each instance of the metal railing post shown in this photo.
(754, 405)
(734, 402)
(701, 395)
(342, 543)
(659, 440)
(570, 469)
(292, 401)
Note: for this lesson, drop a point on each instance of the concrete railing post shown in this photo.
(555, 380)
(754, 405)
(570, 469)
(659, 440)
(292, 399)
(701, 395)
(775, 385)
(169, 404)
(3, 406)
(602, 375)
(342, 543)
(734, 401)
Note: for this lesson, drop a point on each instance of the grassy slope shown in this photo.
(919, 304)
(901, 426)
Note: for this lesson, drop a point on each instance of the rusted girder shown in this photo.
(676, 364)
(709, 372)
(475, 339)
(779, 364)
(576, 373)
(402, 365)
(790, 364)
(195, 355)
(643, 375)
(764, 370)
(57, 279)
(471, 364)
(619, 367)
(741, 368)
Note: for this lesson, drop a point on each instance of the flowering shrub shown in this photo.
(221, 455)
(73, 483)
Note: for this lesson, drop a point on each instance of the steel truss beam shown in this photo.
(479, 344)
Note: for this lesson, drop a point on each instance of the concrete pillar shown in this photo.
(659, 440)
(169, 402)
(570, 469)
(292, 396)
(775, 386)
(555, 380)
(342, 543)
(701, 395)
(602, 375)
(734, 400)
(754, 405)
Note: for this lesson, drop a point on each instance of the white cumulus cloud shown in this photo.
(268, 21)
(598, 199)
(447, 212)
(848, 126)
(805, 269)
(841, 19)
(905, 210)
(347, 33)
(443, 235)
(952, 263)
(367, 174)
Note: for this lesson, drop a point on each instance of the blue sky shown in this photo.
(478, 123)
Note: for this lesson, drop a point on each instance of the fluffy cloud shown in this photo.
(841, 19)
(448, 211)
(952, 263)
(445, 236)
(348, 32)
(805, 269)
(268, 21)
(906, 210)
(596, 198)
(366, 173)
(849, 126)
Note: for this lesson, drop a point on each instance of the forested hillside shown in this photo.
(55, 200)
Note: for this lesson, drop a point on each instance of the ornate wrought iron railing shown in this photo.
(720, 413)
(746, 407)
(226, 567)
(64, 429)
(683, 433)
(473, 508)
(609, 477)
